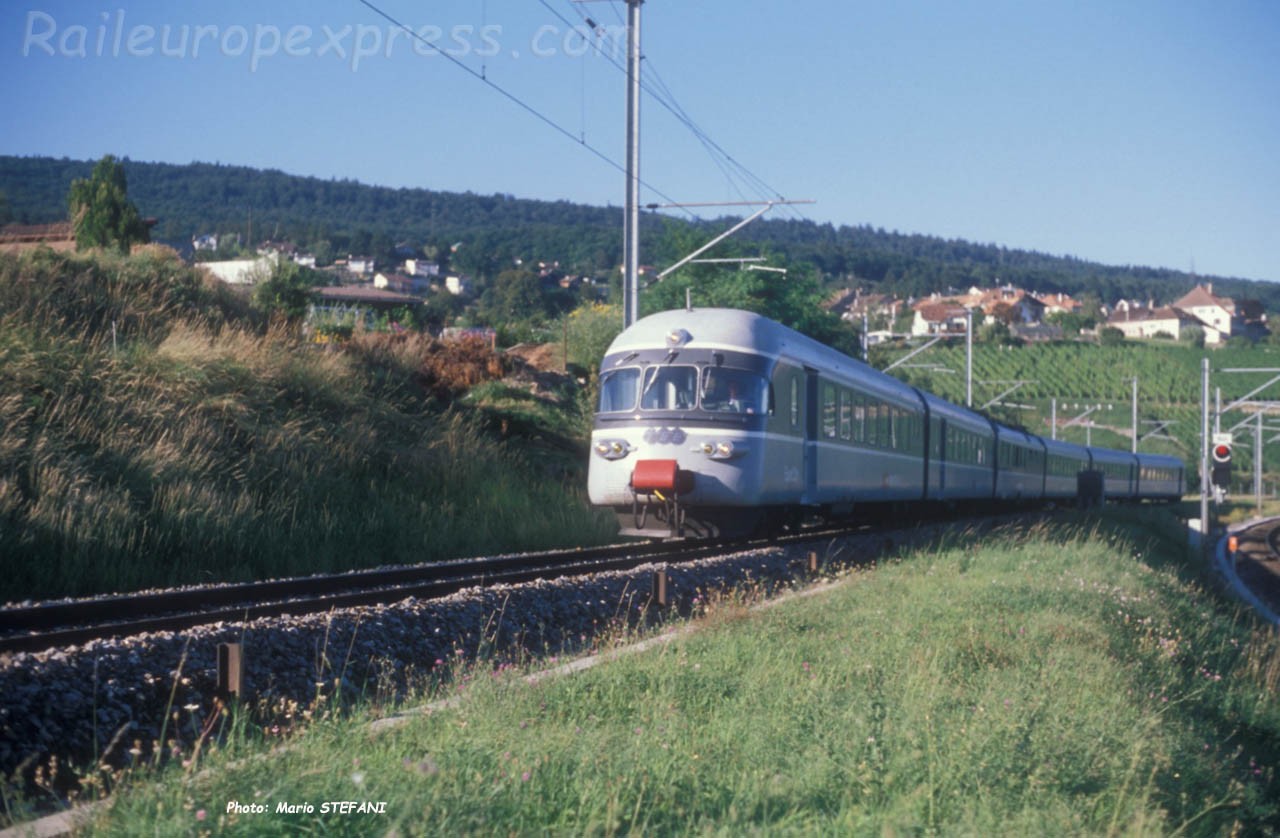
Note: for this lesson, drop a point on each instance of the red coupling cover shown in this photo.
(654, 476)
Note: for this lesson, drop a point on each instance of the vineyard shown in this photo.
(1092, 386)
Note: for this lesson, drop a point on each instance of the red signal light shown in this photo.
(1222, 453)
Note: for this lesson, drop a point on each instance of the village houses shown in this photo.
(1218, 317)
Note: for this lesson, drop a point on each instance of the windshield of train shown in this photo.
(733, 391)
(683, 387)
(669, 388)
(618, 390)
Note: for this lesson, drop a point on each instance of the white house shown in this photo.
(1146, 322)
(242, 271)
(361, 265)
(1217, 314)
(402, 284)
(421, 267)
(458, 285)
(939, 318)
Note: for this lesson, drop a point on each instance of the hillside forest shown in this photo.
(484, 235)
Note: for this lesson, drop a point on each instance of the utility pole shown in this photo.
(1204, 455)
(968, 358)
(1135, 414)
(1257, 463)
(631, 224)
(866, 343)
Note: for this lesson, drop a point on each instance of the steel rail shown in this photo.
(40, 626)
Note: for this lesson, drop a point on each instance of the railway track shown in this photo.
(41, 626)
(1257, 561)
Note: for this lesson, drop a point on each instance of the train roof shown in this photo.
(732, 329)
(712, 328)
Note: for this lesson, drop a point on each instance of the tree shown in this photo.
(1110, 336)
(516, 295)
(101, 213)
(996, 332)
(1006, 313)
(287, 290)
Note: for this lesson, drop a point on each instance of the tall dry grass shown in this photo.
(192, 443)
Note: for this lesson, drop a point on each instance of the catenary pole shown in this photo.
(968, 358)
(1135, 415)
(1257, 463)
(631, 225)
(1204, 455)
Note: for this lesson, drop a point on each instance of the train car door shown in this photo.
(811, 435)
(940, 448)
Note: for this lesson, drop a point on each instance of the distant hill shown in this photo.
(344, 216)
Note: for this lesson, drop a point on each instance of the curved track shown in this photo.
(1257, 561)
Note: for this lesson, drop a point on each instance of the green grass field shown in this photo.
(1069, 680)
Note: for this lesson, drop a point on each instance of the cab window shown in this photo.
(669, 388)
(734, 391)
(618, 390)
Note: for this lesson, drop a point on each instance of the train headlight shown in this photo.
(613, 449)
(724, 450)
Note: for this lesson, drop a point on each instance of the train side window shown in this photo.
(795, 401)
(846, 414)
(829, 411)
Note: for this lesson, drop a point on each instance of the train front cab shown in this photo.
(680, 439)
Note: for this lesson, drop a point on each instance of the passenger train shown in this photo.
(718, 422)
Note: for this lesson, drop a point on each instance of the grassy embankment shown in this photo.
(154, 431)
(1074, 680)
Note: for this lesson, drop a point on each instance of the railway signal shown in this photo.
(1220, 471)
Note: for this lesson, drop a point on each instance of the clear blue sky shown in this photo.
(1141, 132)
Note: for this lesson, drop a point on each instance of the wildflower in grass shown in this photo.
(201, 814)
(426, 766)
(524, 778)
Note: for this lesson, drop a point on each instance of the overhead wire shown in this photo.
(482, 78)
(666, 98)
(663, 98)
